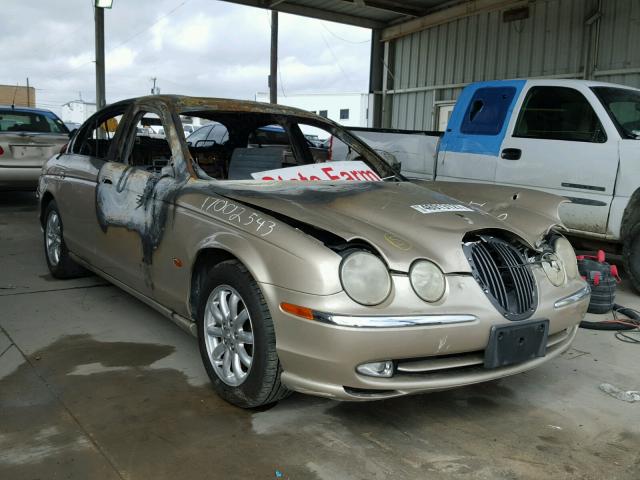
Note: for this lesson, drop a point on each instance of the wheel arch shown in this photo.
(206, 258)
(631, 215)
(47, 198)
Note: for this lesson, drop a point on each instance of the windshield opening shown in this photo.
(265, 146)
(623, 106)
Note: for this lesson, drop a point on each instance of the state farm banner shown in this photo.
(353, 171)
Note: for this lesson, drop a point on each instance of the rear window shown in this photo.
(37, 122)
(487, 110)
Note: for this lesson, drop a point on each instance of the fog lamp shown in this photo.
(376, 369)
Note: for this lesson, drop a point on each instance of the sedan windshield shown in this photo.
(623, 106)
(30, 121)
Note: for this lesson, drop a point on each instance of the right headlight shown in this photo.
(427, 280)
(567, 255)
(365, 278)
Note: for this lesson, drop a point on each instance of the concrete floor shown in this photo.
(94, 384)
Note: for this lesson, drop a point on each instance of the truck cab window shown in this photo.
(487, 110)
(558, 113)
(623, 106)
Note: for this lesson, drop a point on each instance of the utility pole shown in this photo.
(28, 94)
(100, 90)
(273, 77)
(154, 90)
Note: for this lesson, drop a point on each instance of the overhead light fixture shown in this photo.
(104, 3)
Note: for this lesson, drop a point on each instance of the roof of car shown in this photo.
(185, 103)
(25, 109)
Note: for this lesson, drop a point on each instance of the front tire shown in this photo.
(237, 339)
(60, 263)
(631, 256)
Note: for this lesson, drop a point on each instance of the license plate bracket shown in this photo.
(517, 343)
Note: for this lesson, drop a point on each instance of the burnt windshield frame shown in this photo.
(602, 93)
(367, 154)
(256, 119)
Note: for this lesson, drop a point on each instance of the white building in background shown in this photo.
(77, 111)
(349, 109)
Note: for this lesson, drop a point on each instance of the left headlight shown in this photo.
(567, 255)
(427, 280)
(365, 278)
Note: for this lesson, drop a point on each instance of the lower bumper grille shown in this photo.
(463, 361)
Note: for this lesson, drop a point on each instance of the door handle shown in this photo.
(511, 154)
(107, 181)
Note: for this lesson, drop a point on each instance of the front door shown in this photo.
(558, 144)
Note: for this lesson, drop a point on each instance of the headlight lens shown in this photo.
(365, 278)
(554, 268)
(567, 255)
(427, 280)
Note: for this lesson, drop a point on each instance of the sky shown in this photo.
(193, 47)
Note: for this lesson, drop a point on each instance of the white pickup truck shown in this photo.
(575, 138)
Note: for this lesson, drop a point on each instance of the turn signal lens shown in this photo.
(297, 310)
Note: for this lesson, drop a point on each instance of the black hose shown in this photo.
(611, 326)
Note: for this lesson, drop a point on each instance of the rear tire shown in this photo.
(60, 263)
(631, 256)
(237, 339)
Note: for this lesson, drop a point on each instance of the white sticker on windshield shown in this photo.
(441, 207)
(353, 171)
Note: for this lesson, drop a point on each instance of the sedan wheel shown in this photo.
(60, 263)
(236, 336)
(53, 238)
(229, 335)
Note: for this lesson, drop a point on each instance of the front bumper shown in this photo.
(320, 357)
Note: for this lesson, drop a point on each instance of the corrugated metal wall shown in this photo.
(433, 65)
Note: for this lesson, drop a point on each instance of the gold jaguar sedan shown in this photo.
(300, 271)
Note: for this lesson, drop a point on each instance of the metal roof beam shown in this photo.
(312, 12)
(393, 6)
(447, 15)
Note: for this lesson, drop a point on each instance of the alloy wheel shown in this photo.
(228, 335)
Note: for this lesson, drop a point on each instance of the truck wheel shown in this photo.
(631, 256)
(237, 339)
(55, 250)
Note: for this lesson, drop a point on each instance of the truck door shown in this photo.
(558, 144)
(470, 146)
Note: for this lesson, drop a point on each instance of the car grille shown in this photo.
(504, 274)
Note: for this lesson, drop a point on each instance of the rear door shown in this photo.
(77, 175)
(561, 142)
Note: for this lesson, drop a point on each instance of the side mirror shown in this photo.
(72, 132)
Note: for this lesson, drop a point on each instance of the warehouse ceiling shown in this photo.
(362, 13)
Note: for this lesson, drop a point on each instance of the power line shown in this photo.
(137, 34)
(344, 39)
(150, 26)
(336, 59)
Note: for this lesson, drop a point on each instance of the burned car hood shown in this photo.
(403, 220)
